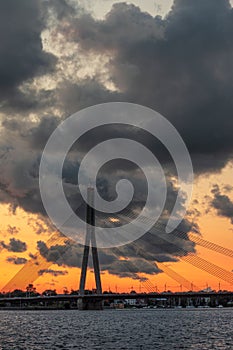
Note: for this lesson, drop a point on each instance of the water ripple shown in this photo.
(117, 329)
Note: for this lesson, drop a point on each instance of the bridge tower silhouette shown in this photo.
(90, 242)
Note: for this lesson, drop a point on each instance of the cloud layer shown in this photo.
(15, 245)
(180, 66)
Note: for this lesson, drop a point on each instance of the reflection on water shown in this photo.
(117, 329)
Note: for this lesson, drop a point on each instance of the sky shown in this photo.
(61, 56)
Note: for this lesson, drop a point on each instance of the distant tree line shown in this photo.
(30, 291)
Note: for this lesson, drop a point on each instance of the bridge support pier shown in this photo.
(93, 304)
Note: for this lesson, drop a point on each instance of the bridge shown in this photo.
(94, 301)
(29, 273)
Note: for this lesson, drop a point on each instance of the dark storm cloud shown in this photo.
(16, 260)
(124, 26)
(54, 273)
(38, 136)
(180, 66)
(32, 256)
(19, 177)
(15, 245)
(84, 94)
(22, 58)
(21, 53)
(130, 268)
(16, 102)
(69, 254)
(222, 203)
(60, 8)
(129, 260)
(20, 150)
(39, 227)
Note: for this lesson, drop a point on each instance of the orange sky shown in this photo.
(213, 228)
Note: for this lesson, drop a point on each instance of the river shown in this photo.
(135, 329)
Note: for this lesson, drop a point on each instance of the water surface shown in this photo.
(147, 329)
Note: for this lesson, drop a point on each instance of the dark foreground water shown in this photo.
(117, 329)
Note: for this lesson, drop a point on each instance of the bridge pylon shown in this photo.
(90, 241)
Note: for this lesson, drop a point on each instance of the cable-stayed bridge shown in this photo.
(30, 271)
